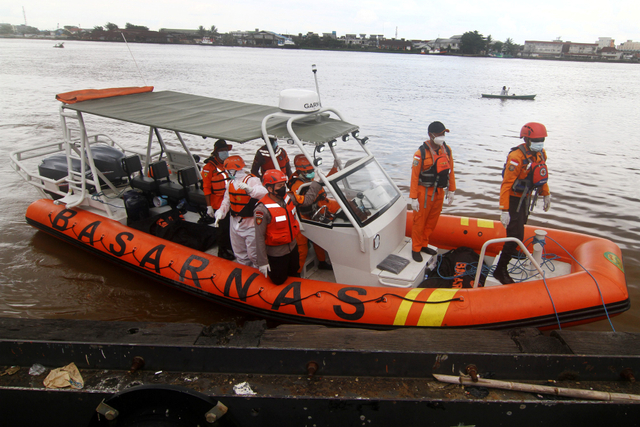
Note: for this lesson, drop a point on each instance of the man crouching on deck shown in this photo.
(276, 230)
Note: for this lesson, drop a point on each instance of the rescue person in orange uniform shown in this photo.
(432, 177)
(276, 230)
(262, 161)
(243, 193)
(308, 201)
(214, 182)
(525, 175)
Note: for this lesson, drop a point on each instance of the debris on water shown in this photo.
(243, 388)
(37, 369)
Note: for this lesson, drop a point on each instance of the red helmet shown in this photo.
(533, 130)
(234, 163)
(273, 176)
(302, 164)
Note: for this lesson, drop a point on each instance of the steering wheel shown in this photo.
(320, 214)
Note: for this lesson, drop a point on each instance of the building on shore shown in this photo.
(452, 44)
(558, 49)
(606, 42)
(630, 46)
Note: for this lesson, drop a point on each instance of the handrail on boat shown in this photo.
(500, 240)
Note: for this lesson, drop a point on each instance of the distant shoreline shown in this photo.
(355, 50)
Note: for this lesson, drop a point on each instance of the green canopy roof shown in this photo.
(209, 117)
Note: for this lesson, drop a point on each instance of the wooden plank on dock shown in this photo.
(409, 340)
(99, 332)
(600, 343)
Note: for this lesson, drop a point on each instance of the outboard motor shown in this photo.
(107, 159)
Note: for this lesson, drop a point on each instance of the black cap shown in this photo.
(221, 145)
(437, 127)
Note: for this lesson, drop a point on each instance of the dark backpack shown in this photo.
(455, 269)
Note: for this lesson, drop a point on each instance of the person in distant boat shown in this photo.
(214, 184)
(276, 230)
(308, 200)
(525, 177)
(263, 162)
(432, 178)
(243, 193)
(504, 91)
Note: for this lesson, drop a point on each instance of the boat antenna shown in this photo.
(315, 76)
(134, 59)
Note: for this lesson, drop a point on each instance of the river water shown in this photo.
(589, 109)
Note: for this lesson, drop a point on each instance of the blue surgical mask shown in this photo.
(223, 155)
(232, 173)
(311, 174)
(536, 146)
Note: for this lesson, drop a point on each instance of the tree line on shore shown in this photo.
(472, 42)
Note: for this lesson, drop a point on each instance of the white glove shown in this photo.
(415, 205)
(546, 203)
(218, 216)
(505, 218)
(243, 186)
(264, 269)
(450, 195)
(210, 211)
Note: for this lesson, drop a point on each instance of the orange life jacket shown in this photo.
(218, 181)
(281, 156)
(284, 226)
(241, 203)
(305, 212)
(438, 174)
(534, 174)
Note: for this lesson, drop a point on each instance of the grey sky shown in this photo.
(572, 20)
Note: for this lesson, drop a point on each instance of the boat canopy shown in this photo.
(211, 117)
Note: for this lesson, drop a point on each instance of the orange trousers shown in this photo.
(426, 219)
(303, 249)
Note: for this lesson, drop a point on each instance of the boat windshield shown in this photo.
(366, 191)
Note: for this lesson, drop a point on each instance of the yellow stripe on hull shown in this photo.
(433, 314)
(405, 306)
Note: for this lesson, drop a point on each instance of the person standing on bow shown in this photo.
(525, 175)
(214, 184)
(276, 230)
(262, 161)
(504, 91)
(432, 178)
(243, 193)
(308, 200)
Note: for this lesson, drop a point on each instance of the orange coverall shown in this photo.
(426, 219)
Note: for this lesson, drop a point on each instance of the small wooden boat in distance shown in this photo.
(486, 95)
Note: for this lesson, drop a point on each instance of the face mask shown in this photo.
(438, 140)
(223, 155)
(536, 146)
(310, 175)
(281, 191)
(232, 173)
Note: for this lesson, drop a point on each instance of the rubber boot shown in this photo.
(501, 273)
